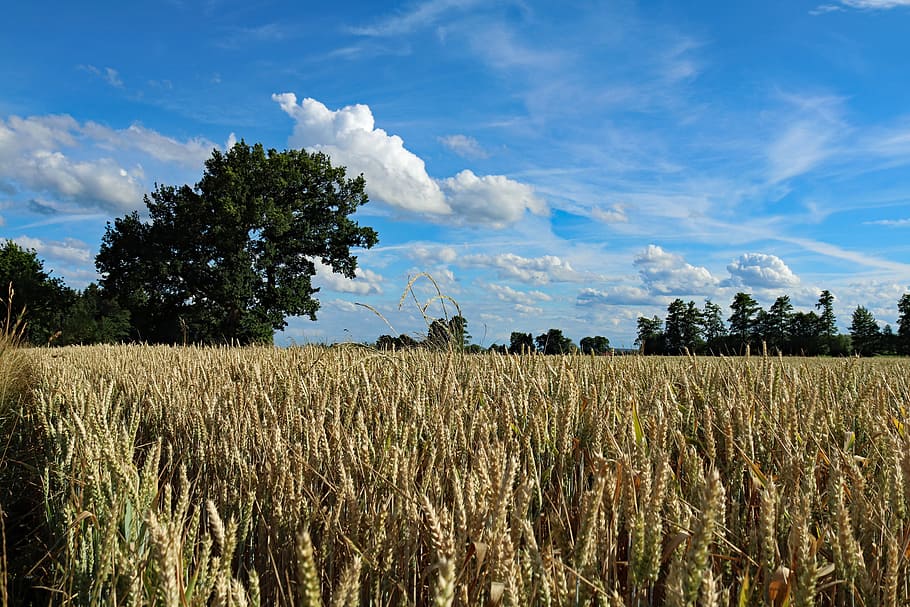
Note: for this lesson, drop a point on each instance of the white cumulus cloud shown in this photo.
(68, 250)
(58, 158)
(101, 181)
(669, 274)
(367, 282)
(349, 136)
(507, 293)
(192, 153)
(427, 254)
(618, 295)
(396, 175)
(491, 199)
(761, 271)
(533, 270)
(528, 310)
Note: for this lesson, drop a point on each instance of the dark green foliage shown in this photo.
(650, 337)
(229, 259)
(683, 327)
(95, 319)
(521, 343)
(402, 342)
(888, 342)
(903, 324)
(827, 320)
(744, 321)
(713, 329)
(864, 332)
(45, 298)
(827, 325)
(777, 326)
(594, 345)
(554, 342)
(805, 338)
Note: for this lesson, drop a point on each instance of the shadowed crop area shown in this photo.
(137, 475)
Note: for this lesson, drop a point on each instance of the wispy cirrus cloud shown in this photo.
(108, 74)
(614, 214)
(464, 146)
(418, 16)
(811, 129)
(868, 5)
(891, 223)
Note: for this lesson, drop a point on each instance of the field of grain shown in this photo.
(139, 475)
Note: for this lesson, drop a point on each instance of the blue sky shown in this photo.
(570, 165)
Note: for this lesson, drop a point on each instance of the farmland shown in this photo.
(141, 475)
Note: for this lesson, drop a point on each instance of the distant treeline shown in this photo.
(779, 329)
(688, 328)
(58, 315)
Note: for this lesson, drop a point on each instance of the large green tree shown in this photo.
(777, 327)
(712, 326)
(650, 337)
(554, 342)
(597, 344)
(827, 322)
(230, 258)
(744, 319)
(864, 332)
(521, 343)
(683, 327)
(44, 298)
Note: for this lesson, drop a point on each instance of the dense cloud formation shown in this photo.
(397, 176)
(618, 295)
(69, 250)
(761, 271)
(533, 270)
(508, 294)
(492, 199)
(669, 274)
(367, 282)
(60, 158)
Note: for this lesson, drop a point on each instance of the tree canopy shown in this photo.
(554, 342)
(864, 332)
(230, 258)
(598, 344)
(44, 298)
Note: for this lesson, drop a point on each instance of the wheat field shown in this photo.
(142, 475)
